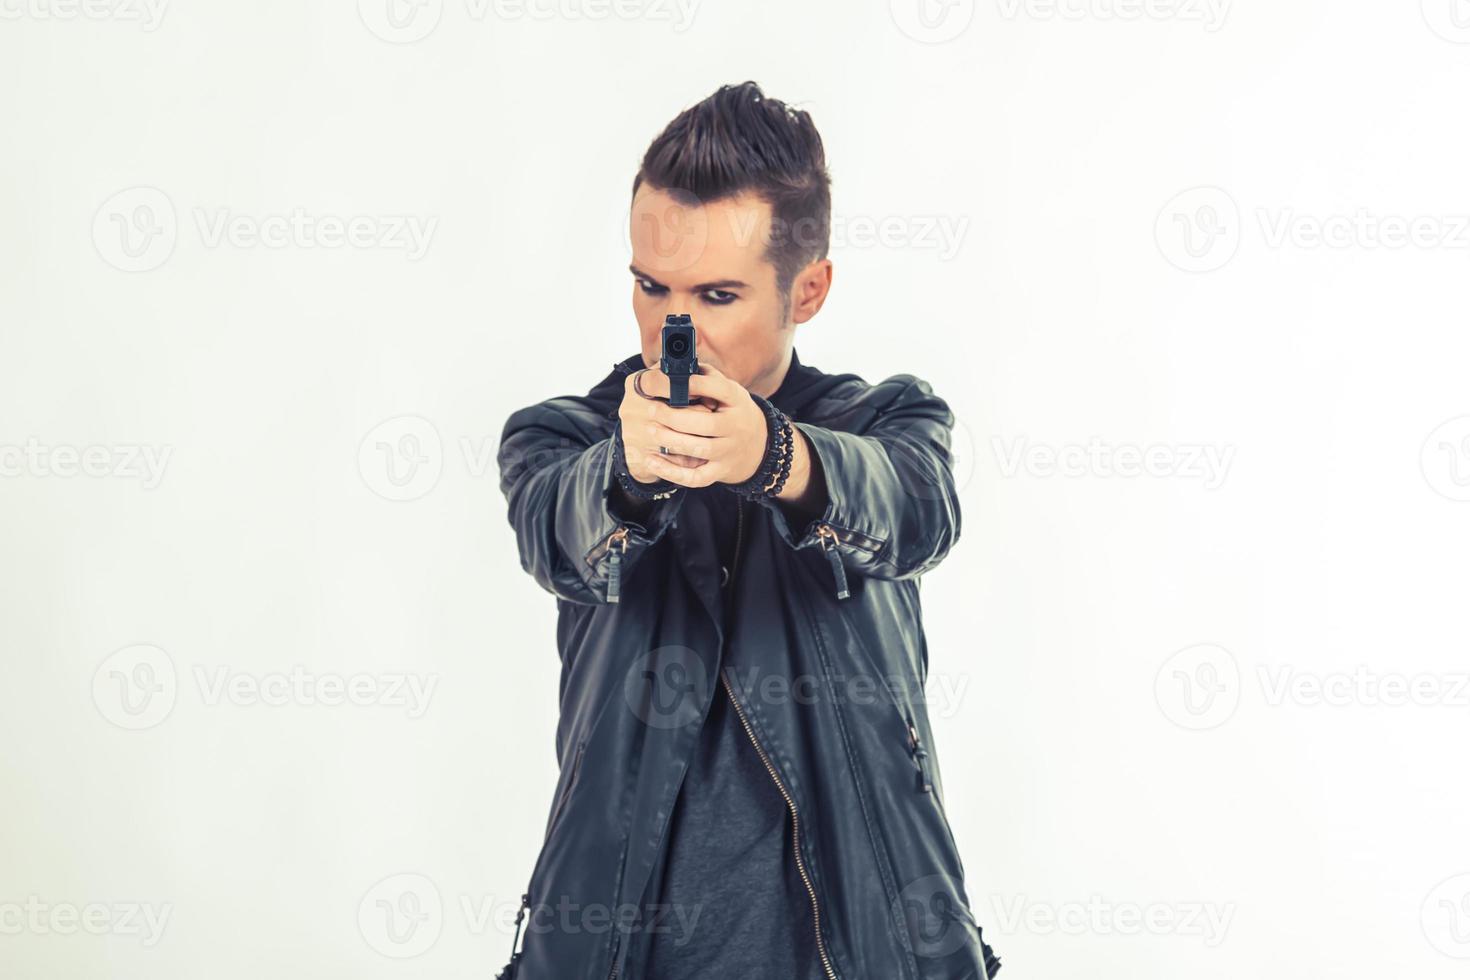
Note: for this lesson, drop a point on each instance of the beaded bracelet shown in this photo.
(658, 490)
(769, 478)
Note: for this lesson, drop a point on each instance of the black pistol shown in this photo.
(678, 360)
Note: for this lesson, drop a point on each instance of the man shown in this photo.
(748, 786)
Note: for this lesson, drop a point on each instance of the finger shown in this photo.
(716, 386)
(693, 422)
(679, 459)
(694, 446)
(654, 383)
(693, 477)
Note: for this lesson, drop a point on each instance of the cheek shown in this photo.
(648, 314)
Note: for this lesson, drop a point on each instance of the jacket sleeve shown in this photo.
(892, 511)
(556, 473)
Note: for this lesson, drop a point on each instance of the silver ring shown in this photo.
(664, 450)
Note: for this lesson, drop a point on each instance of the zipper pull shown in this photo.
(510, 970)
(921, 757)
(828, 537)
(615, 563)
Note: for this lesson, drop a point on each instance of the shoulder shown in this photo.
(854, 398)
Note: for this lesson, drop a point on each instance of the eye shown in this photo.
(650, 288)
(719, 297)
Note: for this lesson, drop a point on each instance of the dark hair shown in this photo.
(738, 140)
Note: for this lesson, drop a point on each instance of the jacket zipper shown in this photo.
(766, 761)
(511, 968)
(828, 537)
(615, 562)
(795, 826)
(921, 759)
(571, 779)
(613, 975)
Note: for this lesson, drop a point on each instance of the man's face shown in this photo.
(707, 261)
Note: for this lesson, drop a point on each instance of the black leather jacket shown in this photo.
(829, 614)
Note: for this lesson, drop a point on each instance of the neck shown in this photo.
(769, 381)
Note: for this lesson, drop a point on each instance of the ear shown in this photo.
(809, 290)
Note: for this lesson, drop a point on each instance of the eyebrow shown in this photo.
(702, 287)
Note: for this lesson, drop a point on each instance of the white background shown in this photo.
(1131, 263)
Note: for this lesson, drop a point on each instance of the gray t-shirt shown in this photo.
(738, 907)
